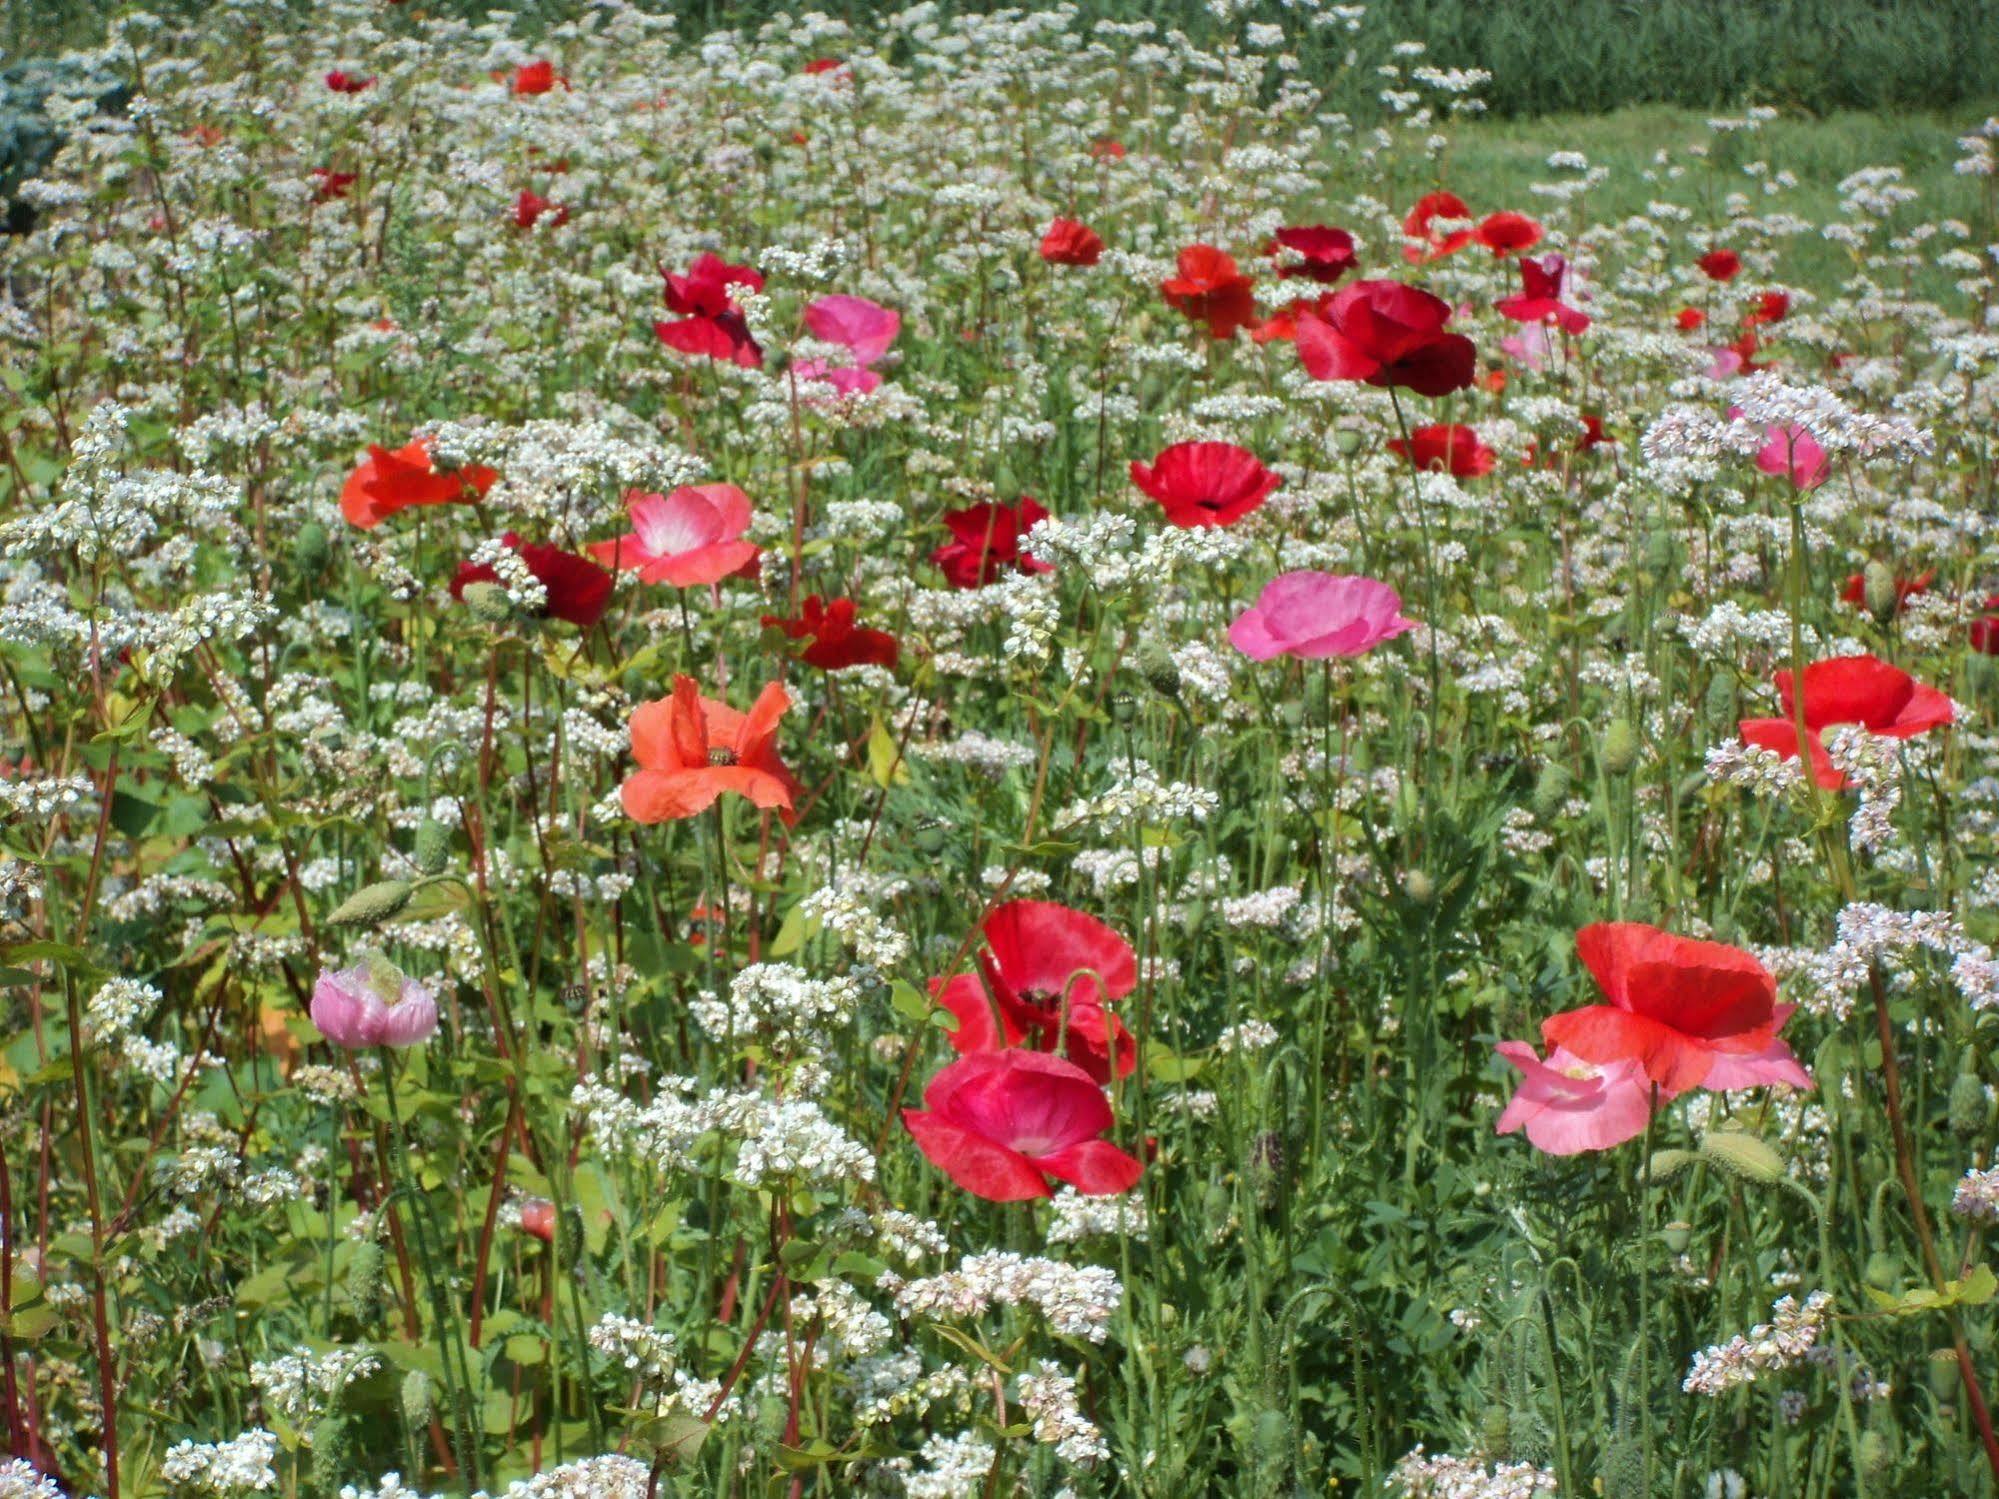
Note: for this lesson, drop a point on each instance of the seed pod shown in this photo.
(1156, 666)
(489, 603)
(419, 1399)
(1623, 1470)
(1618, 748)
(1677, 1234)
(931, 838)
(309, 548)
(1742, 1155)
(371, 905)
(1943, 1375)
(1551, 789)
(1877, 588)
(1969, 1108)
(1348, 441)
(1124, 709)
(433, 846)
(364, 1281)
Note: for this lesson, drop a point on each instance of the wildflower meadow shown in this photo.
(985, 754)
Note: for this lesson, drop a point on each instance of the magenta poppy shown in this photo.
(999, 1124)
(1312, 615)
(1567, 1105)
(1387, 334)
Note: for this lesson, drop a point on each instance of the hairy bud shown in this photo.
(1551, 789)
(1969, 1107)
(489, 603)
(371, 905)
(1742, 1155)
(1156, 667)
(419, 1399)
(433, 846)
(309, 548)
(1618, 748)
(1877, 588)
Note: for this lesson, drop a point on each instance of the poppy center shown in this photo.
(721, 755)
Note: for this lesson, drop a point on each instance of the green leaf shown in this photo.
(885, 761)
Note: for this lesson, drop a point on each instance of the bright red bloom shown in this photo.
(1690, 318)
(1434, 246)
(999, 1124)
(1540, 297)
(1454, 449)
(1320, 253)
(1205, 483)
(1506, 231)
(691, 749)
(578, 589)
(1283, 323)
(1861, 690)
(1720, 265)
(1040, 958)
(1984, 631)
(1106, 149)
(985, 542)
(837, 642)
(329, 184)
(530, 207)
(1209, 289)
(1071, 242)
(347, 83)
(385, 482)
(1676, 1005)
(1387, 334)
(1771, 307)
(712, 324)
(1855, 591)
(535, 78)
(824, 65)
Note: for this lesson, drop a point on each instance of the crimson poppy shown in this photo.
(1862, 690)
(1452, 448)
(1540, 297)
(1106, 149)
(1677, 1005)
(1771, 307)
(837, 642)
(711, 325)
(1209, 289)
(1205, 483)
(691, 749)
(986, 541)
(347, 83)
(1387, 334)
(1690, 318)
(999, 1124)
(823, 65)
(1506, 231)
(535, 78)
(1047, 977)
(1282, 325)
(1071, 242)
(531, 207)
(578, 589)
(385, 482)
(1319, 253)
(329, 184)
(1720, 265)
(1434, 245)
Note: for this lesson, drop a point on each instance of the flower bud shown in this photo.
(371, 905)
(1719, 704)
(1551, 789)
(569, 1234)
(1496, 1428)
(309, 548)
(1876, 1457)
(1623, 1472)
(1156, 666)
(332, 1452)
(1884, 1271)
(1969, 1108)
(433, 846)
(1742, 1155)
(364, 1281)
(419, 1398)
(489, 603)
(1877, 588)
(1618, 748)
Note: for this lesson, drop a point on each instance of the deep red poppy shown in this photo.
(578, 589)
(1720, 265)
(1855, 591)
(1539, 299)
(385, 482)
(999, 1124)
(1432, 245)
(1282, 325)
(1677, 1005)
(712, 325)
(986, 541)
(1505, 232)
(1861, 690)
(1040, 957)
(1690, 318)
(824, 65)
(1387, 334)
(1071, 242)
(1209, 289)
(1452, 448)
(1318, 252)
(347, 83)
(329, 184)
(536, 78)
(1205, 483)
(1771, 307)
(530, 207)
(1106, 149)
(1984, 631)
(837, 642)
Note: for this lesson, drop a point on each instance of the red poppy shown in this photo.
(1454, 449)
(578, 589)
(1205, 483)
(1690, 318)
(985, 542)
(1771, 307)
(536, 78)
(1071, 242)
(1855, 591)
(1106, 149)
(1738, 358)
(1434, 246)
(1387, 334)
(1861, 690)
(530, 207)
(1040, 961)
(1593, 433)
(1984, 631)
(1720, 265)
(1210, 289)
(329, 184)
(837, 642)
(1319, 253)
(347, 83)
(538, 1219)
(1506, 231)
(386, 482)
(999, 1124)
(824, 65)
(1282, 325)
(1678, 1006)
(711, 324)
(1540, 297)
(691, 749)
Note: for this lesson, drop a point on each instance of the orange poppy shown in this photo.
(691, 749)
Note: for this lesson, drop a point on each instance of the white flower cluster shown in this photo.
(1420, 1475)
(953, 1468)
(1049, 1398)
(1977, 1196)
(121, 1006)
(1078, 1300)
(1780, 1343)
(241, 1465)
(303, 1386)
(855, 923)
(775, 1137)
(1137, 797)
(19, 1480)
(776, 1000)
(1078, 1217)
(649, 1354)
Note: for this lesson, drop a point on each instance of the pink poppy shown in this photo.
(372, 1004)
(1312, 615)
(866, 328)
(689, 537)
(1793, 453)
(847, 379)
(999, 1124)
(1567, 1105)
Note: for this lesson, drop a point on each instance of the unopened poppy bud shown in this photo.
(1419, 887)
(569, 1234)
(1969, 1108)
(1876, 1456)
(309, 548)
(1156, 666)
(1169, 1314)
(1742, 1155)
(1124, 708)
(931, 838)
(1720, 703)
(1266, 1164)
(332, 1452)
(432, 847)
(371, 905)
(1877, 589)
(1623, 1471)
(419, 1397)
(364, 1280)
(1551, 789)
(1348, 441)
(1618, 749)
(1677, 1234)
(1884, 1271)
(1496, 1426)
(489, 603)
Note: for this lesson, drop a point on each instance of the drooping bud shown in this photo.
(1551, 789)
(1156, 666)
(309, 548)
(364, 1281)
(1884, 1271)
(1618, 748)
(433, 846)
(1970, 1109)
(371, 905)
(332, 1452)
(1742, 1155)
(569, 1234)
(1623, 1470)
(419, 1399)
(1720, 703)
(1877, 588)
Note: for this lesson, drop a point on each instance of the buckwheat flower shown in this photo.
(1077, 1300)
(244, 1464)
(122, 1005)
(1419, 1475)
(649, 1354)
(1977, 1196)
(953, 1468)
(1778, 1344)
(1248, 1036)
(1049, 1398)
(1078, 1217)
(20, 1480)
(303, 1385)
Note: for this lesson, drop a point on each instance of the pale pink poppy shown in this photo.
(1567, 1105)
(1312, 614)
(1793, 453)
(848, 380)
(1773, 1065)
(372, 1004)
(689, 537)
(1529, 347)
(865, 328)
